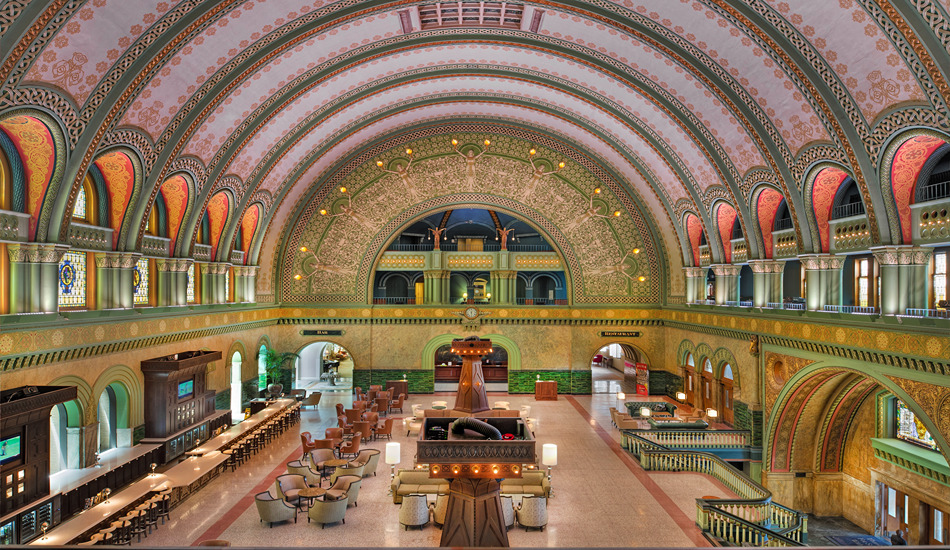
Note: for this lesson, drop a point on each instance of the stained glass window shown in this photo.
(79, 207)
(940, 276)
(190, 287)
(910, 428)
(862, 271)
(72, 280)
(140, 282)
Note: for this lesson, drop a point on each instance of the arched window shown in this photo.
(107, 417)
(236, 362)
(85, 209)
(707, 366)
(847, 201)
(727, 372)
(783, 217)
(690, 361)
(261, 368)
(79, 207)
(72, 281)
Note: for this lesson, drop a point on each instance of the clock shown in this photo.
(471, 313)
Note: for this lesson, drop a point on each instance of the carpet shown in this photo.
(858, 540)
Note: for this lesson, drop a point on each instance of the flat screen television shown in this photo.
(910, 428)
(186, 388)
(9, 449)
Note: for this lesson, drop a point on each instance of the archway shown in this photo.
(726, 394)
(112, 414)
(325, 367)
(614, 368)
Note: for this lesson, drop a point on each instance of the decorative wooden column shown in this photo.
(471, 397)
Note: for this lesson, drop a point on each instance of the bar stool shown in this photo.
(123, 532)
(139, 525)
(164, 503)
(108, 534)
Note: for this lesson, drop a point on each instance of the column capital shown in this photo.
(726, 270)
(817, 262)
(902, 255)
(218, 268)
(127, 260)
(435, 274)
(767, 266)
(245, 270)
(695, 272)
(36, 253)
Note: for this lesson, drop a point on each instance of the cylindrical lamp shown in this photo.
(549, 454)
(680, 396)
(645, 412)
(621, 396)
(712, 413)
(392, 458)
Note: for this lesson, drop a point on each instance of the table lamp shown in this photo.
(549, 458)
(645, 412)
(712, 413)
(392, 458)
(680, 396)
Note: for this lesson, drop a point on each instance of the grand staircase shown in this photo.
(750, 520)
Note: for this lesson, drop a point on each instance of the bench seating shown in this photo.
(657, 408)
(677, 425)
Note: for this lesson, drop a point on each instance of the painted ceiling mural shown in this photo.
(331, 246)
(685, 103)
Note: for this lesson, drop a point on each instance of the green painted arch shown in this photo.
(809, 214)
(703, 352)
(129, 380)
(641, 354)
(514, 352)
(801, 376)
(720, 358)
(685, 348)
(76, 408)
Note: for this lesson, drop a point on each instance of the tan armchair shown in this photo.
(273, 509)
(533, 512)
(327, 511)
(369, 459)
(341, 487)
(312, 400)
(348, 470)
(289, 485)
(300, 468)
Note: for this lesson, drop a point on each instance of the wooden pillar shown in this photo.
(473, 516)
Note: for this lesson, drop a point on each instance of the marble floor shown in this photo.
(601, 496)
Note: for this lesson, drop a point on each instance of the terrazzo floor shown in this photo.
(601, 496)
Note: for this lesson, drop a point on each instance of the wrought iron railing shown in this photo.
(750, 520)
(540, 302)
(783, 224)
(395, 300)
(530, 248)
(862, 310)
(937, 188)
(847, 210)
(424, 247)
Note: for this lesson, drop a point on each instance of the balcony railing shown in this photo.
(786, 305)
(783, 224)
(395, 300)
(530, 248)
(934, 313)
(847, 210)
(424, 247)
(861, 310)
(540, 302)
(751, 520)
(938, 189)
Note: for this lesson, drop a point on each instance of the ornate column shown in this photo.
(244, 288)
(903, 277)
(106, 265)
(433, 280)
(212, 284)
(165, 280)
(695, 284)
(180, 278)
(766, 281)
(727, 283)
(822, 279)
(501, 286)
(34, 276)
(122, 280)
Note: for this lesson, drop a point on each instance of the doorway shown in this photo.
(613, 369)
(324, 367)
(726, 394)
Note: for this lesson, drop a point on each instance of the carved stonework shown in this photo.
(726, 270)
(779, 369)
(767, 266)
(818, 262)
(935, 402)
(218, 268)
(127, 261)
(245, 270)
(36, 253)
(902, 255)
(107, 260)
(695, 272)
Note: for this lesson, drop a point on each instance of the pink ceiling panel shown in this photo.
(909, 159)
(856, 49)
(694, 230)
(824, 189)
(725, 218)
(766, 209)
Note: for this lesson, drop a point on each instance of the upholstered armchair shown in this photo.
(414, 511)
(340, 487)
(371, 456)
(340, 409)
(306, 441)
(363, 428)
(353, 415)
(412, 426)
(508, 511)
(322, 444)
(312, 400)
(352, 447)
(397, 403)
(348, 470)
(533, 512)
(327, 511)
(289, 485)
(274, 509)
(386, 429)
(344, 425)
(335, 435)
(438, 508)
(300, 468)
(298, 394)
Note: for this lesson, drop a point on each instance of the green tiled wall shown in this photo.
(222, 400)
(747, 419)
(665, 383)
(138, 434)
(420, 381)
(248, 391)
(568, 382)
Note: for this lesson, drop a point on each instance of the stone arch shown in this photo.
(130, 380)
(703, 352)
(725, 215)
(686, 347)
(429, 349)
(113, 166)
(766, 200)
(76, 409)
(826, 178)
(237, 346)
(719, 360)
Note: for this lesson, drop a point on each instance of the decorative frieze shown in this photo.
(695, 272)
(127, 260)
(36, 253)
(202, 252)
(156, 246)
(245, 270)
(92, 237)
(218, 268)
(726, 270)
(767, 266)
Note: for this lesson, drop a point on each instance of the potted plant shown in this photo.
(274, 365)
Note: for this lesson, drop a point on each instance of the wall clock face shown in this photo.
(471, 312)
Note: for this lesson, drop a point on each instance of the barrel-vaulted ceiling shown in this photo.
(675, 105)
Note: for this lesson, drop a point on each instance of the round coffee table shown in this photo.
(336, 462)
(311, 493)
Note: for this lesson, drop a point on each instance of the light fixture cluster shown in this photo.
(477, 471)
(597, 191)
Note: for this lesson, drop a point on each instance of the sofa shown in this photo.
(657, 408)
(677, 424)
(407, 482)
